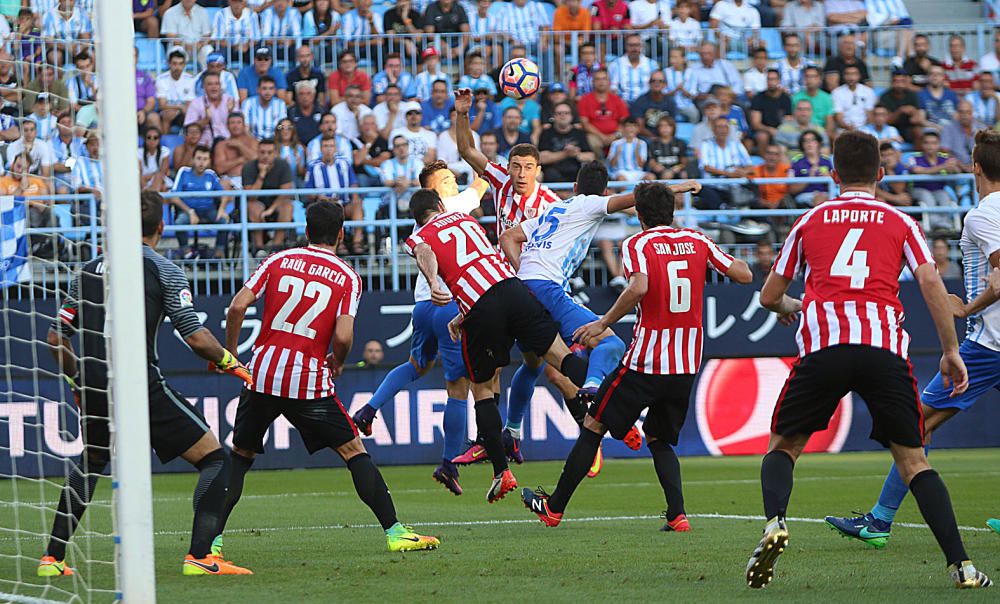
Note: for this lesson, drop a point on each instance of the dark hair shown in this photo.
(931, 133)
(489, 133)
(880, 106)
(760, 50)
(152, 212)
(209, 74)
(83, 54)
(266, 141)
(396, 86)
(592, 178)
(886, 146)
(436, 82)
(654, 203)
(775, 72)
(201, 149)
(193, 125)
(856, 158)
(603, 70)
(789, 36)
(473, 55)
(666, 117)
(986, 153)
(233, 114)
(630, 121)
(324, 222)
(924, 36)
(430, 170)
(25, 12)
(525, 150)
(812, 68)
(940, 238)
(854, 67)
(344, 53)
(393, 55)
(590, 45)
(264, 79)
(423, 202)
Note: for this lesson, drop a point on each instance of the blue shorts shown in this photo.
(430, 337)
(984, 373)
(568, 314)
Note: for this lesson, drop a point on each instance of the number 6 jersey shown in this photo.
(851, 250)
(305, 291)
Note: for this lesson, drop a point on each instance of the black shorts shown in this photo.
(819, 380)
(322, 422)
(506, 313)
(174, 425)
(625, 393)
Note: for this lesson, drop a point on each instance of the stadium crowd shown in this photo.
(240, 101)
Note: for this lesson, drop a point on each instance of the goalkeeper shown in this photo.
(176, 429)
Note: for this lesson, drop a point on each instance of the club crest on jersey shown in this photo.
(531, 212)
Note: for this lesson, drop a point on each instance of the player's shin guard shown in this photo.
(394, 381)
(76, 495)
(575, 369)
(668, 470)
(776, 482)
(522, 386)
(894, 491)
(209, 501)
(603, 360)
(371, 489)
(489, 426)
(456, 413)
(238, 468)
(575, 470)
(935, 506)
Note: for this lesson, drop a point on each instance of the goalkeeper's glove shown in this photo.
(74, 386)
(231, 365)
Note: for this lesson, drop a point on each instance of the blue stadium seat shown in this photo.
(370, 206)
(685, 130)
(550, 10)
(756, 160)
(150, 54)
(299, 216)
(772, 41)
(64, 216)
(171, 141)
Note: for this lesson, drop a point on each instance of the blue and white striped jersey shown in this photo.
(287, 26)
(494, 21)
(625, 153)
(295, 156)
(345, 148)
(46, 125)
(792, 77)
(393, 168)
(888, 132)
(338, 175)
(425, 80)
(79, 91)
(55, 26)
(226, 78)
(262, 120)
(228, 27)
(87, 172)
(631, 81)
(483, 81)
(559, 238)
(980, 238)
(309, 28)
(524, 23)
(676, 78)
(405, 81)
(354, 27)
(62, 151)
(880, 11)
(723, 158)
(984, 110)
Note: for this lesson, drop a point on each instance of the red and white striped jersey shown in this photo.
(467, 261)
(851, 250)
(305, 291)
(667, 338)
(513, 209)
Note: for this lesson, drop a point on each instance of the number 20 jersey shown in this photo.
(305, 291)
(851, 250)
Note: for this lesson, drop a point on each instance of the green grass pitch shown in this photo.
(309, 539)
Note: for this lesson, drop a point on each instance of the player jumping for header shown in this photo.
(851, 250)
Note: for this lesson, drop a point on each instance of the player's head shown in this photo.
(523, 164)
(654, 203)
(437, 176)
(151, 203)
(324, 222)
(986, 161)
(425, 205)
(591, 179)
(856, 160)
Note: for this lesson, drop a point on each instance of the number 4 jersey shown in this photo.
(305, 291)
(851, 250)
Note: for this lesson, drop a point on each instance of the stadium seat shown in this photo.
(299, 217)
(171, 141)
(685, 130)
(756, 160)
(150, 55)
(64, 216)
(370, 206)
(772, 41)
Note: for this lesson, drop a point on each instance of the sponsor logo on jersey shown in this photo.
(185, 298)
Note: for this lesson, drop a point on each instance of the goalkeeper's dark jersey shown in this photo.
(83, 311)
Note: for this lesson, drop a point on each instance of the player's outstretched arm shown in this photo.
(739, 271)
(205, 345)
(638, 285)
(234, 317)
(952, 367)
(510, 242)
(463, 132)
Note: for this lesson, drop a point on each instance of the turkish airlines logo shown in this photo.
(735, 400)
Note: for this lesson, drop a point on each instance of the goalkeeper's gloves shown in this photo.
(74, 386)
(231, 365)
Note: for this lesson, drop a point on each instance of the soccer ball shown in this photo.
(519, 78)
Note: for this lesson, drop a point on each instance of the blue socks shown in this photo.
(394, 381)
(893, 494)
(522, 386)
(455, 422)
(603, 360)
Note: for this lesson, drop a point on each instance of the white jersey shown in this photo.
(558, 240)
(464, 202)
(980, 238)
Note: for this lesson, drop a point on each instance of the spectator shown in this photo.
(404, 21)
(705, 129)
(187, 23)
(610, 15)
(263, 65)
(571, 16)
(772, 195)
(790, 130)
(392, 74)
(174, 89)
(437, 109)
(732, 111)
(807, 17)
(712, 71)
(88, 171)
(903, 105)
(490, 146)
(811, 163)
(235, 30)
(765, 256)
(333, 174)
(601, 111)
(853, 102)
(792, 66)
(348, 74)
(68, 26)
(306, 113)
(291, 149)
(328, 129)
(937, 100)
(531, 115)
(833, 71)
(475, 77)
(447, 17)
(942, 259)
(66, 149)
(199, 209)
(20, 182)
(268, 172)
(154, 162)
(215, 63)
(934, 193)
(581, 78)
(45, 122)
(320, 25)
(484, 116)
(372, 355)
(554, 94)
(681, 85)
(282, 25)
(231, 155)
(685, 31)
(9, 130)
(734, 19)
(892, 192)
(46, 82)
(264, 110)
(10, 85)
(145, 96)
(391, 112)
(372, 152)
(653, 105)
(144, 17)
(630, 73)
(667, 153)
(350, 110)
(894, 14)
(509, 133)
(648, 15)
(984, 101)
(629, 154)
(211, 111)
(183, 154)
(29, 48)
(83, 85)
(526, 20)
(959, 137)
(402, 171)
(990, 60)
(721, 157)
(769, 110)
(423, 142)
(918, 65)
(961, 71)
(846, 16)
(305, 71)
(430, 74)
(755, 76)
(880, 128)
(563, 147)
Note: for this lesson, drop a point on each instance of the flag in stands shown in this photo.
(14, 266)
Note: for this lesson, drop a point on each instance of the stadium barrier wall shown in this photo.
(747, 359)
